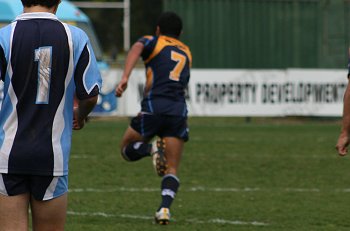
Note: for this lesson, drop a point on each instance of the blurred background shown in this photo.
(241, 33)
(108, 23)
(250, 57)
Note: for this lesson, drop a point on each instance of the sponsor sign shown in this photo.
(221, 92)
(217, 92)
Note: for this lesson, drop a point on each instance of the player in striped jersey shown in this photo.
(163, 108)
(43, 63)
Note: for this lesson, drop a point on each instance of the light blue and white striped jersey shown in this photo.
(43, 63)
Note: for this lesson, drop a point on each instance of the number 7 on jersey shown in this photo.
(181, 61)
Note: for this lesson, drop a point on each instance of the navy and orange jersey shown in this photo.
(168, 62)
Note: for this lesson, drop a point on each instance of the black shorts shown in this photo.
(150, 125)
(42, 188)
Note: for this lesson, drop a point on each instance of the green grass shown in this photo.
(268, 174)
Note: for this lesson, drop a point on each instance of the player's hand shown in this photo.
(342, 144)
(77, 123)
(123, 84)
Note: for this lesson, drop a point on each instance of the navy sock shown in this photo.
(136, 150)
(169, 187)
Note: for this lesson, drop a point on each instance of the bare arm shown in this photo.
(344, 137)
(130, 62)
(85, 106)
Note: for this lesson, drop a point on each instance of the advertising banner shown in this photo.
(233, 92)
(218, 92)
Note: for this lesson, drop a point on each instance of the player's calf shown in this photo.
(136, 150)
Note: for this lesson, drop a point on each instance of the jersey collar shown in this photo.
(37, 15)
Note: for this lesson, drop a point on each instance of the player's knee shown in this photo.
(136, 151)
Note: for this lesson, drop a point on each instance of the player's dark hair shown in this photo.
(46, 3)
(170, 24)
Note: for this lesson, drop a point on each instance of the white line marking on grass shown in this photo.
(204, 189)
(345, 190)
(192, 189)
(81, 157)
(198, 189)
(102, 214)
(121, 189)
(222, 221)
(303, 190)
(196, 221)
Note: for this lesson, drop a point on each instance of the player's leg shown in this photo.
(133, 146)
(49, 202)
(174, 137)
(14, 212)
(49, 215)
(135, 143)
(170, 182)
(14, 202)
(173, 152)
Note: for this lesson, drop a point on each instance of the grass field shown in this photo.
(268, 174)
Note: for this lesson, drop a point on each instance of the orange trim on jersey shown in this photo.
(164, 41)
(149, 80)
(148, 36)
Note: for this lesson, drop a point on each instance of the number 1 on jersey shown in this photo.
(181, 61)
(43, 56)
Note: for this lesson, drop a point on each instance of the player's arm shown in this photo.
(344, 137)
(130, 62)
(87, 78)
(85, 106)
